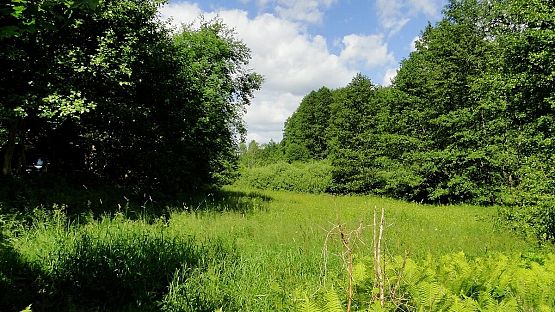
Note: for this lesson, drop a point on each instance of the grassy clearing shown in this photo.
(240, 250)
(296, 219)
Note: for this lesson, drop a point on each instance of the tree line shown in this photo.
(105, 88)
(470, 116)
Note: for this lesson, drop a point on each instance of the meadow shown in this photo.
(252, 250)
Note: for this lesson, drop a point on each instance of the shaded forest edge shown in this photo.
(470, 117)
(106, 91)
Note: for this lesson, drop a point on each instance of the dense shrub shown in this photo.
(311, 177)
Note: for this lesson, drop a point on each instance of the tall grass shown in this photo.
(237, 250)
(108, 264)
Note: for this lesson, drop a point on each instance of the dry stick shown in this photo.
(375, 249)
(378, 261)
(349, 252)
(379, 267)
(324, 267)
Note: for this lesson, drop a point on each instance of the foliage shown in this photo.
(254, 154)
(456, 283)
(303, 132)
(469, 117)
(309, 177)
(110, 91)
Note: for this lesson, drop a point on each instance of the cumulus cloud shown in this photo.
(311, 11)
(395, 14)
(179, 13)
(292, 61)
(389, 76)
(371, 50)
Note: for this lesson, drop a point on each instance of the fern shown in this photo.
(333, 303)
(455, 283)
(429, 295)
(464, 305)
(309, 306)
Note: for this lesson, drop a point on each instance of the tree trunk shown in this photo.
(9, 149)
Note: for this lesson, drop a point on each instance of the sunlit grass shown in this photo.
(294, 220)
(281, 244)
(247, 250)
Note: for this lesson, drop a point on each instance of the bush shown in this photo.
(311, 177)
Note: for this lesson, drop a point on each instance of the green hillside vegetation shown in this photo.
(125, 185)
(469, 118)
(262, 251)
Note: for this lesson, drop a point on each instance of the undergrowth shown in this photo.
(453, 282)
(236, 250)
(309, 177)
(110, 264)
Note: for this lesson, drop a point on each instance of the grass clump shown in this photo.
(110, 264)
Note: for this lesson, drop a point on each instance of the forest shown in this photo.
(470, 118)
(127, 184)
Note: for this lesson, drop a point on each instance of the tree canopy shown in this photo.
(469, 117)
(106, 88)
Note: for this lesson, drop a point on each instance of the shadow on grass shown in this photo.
(81, 196)
(128, 272)
(18, 287)
(114, 266)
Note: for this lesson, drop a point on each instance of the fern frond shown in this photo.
(333, 303)
(464, 305)
(310, 306)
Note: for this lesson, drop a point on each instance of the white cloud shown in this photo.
(390, 14)
(428, 7)
(266, 116)
(183, 12)
(389, 75)
(311, 11)
(369, 49)
(395, 14)
(292, 62)
(413, 43)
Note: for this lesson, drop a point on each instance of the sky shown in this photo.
(300, 46)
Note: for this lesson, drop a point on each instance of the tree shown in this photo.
(351, 113)
(455, 154)
(304, 134)
(113, 93)
(41, 65)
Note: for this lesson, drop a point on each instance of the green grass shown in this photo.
(240, 250)
(281, 246)
(293, 220)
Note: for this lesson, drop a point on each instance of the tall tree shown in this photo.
(112, 92)
(350, 112)
(304, 135)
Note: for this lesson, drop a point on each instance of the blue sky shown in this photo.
(299, 46)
